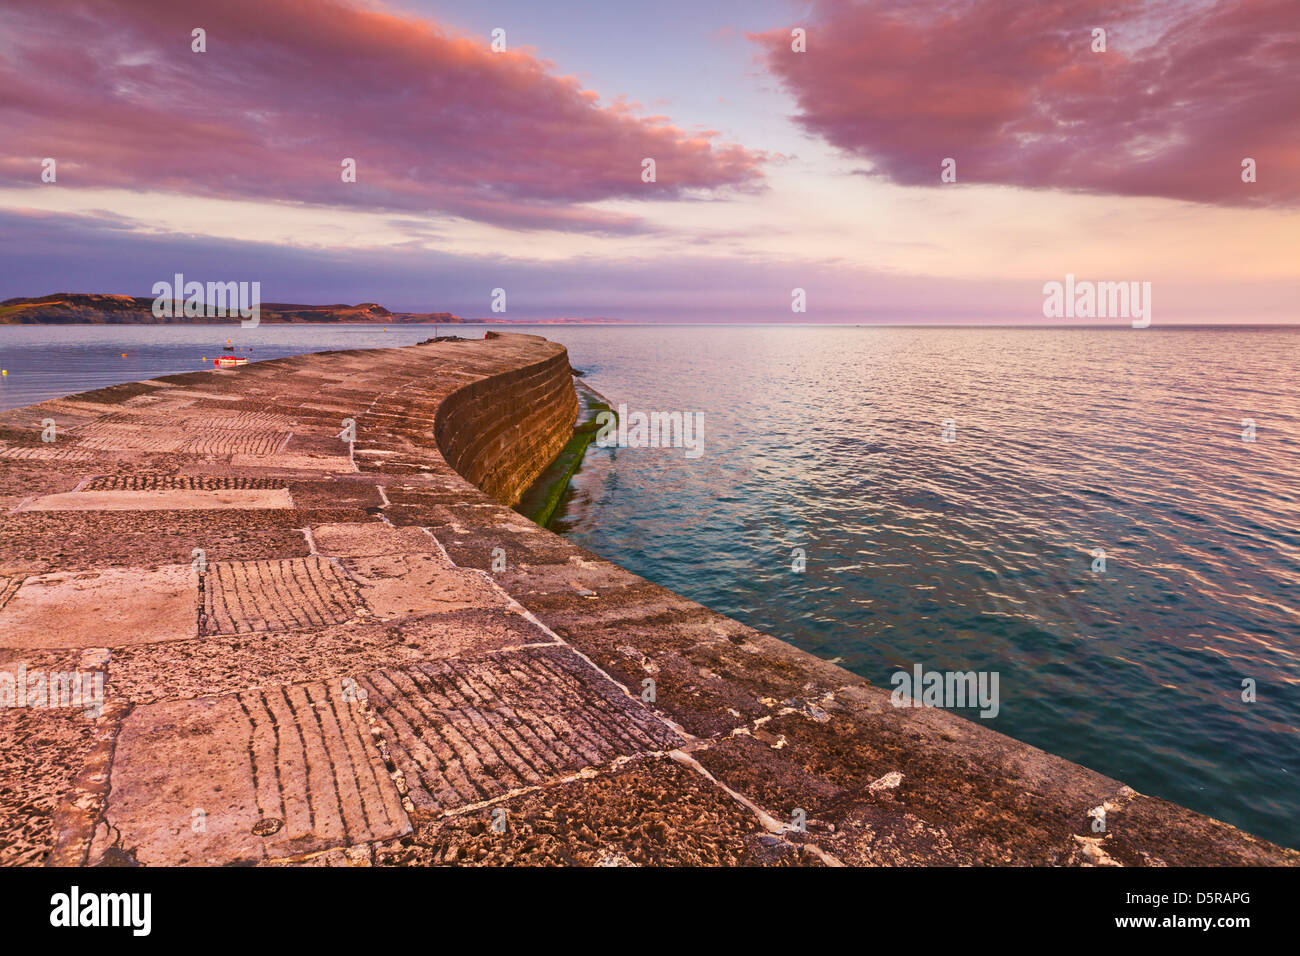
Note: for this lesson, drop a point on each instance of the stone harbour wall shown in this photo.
(310, 653)
(501, 433)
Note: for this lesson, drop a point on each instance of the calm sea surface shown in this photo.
(974, 554)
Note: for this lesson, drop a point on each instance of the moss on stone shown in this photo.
(541, 501)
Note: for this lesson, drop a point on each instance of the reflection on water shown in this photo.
(977, 554)
(974, 554)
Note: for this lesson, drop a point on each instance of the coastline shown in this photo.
(559, 688)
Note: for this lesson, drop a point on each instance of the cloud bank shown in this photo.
(437, 123)
(1015, 94)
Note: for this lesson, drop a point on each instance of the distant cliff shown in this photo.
(77, 308)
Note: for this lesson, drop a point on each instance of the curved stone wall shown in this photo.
(502, 432)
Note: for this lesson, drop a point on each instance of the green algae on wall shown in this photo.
(542, 500)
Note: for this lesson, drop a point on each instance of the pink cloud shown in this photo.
(436, 122)
(1013, 92)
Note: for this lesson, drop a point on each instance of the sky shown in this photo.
(775, 169)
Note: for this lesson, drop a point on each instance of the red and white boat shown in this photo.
(229, 361)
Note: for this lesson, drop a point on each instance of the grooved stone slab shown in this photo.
(229, 441)
(178, 500)
(38, 453)
(241, 597)
(244, 419)
(273, 774)
(465, 731)
(108, 608)
(131, 436)
(146, 481)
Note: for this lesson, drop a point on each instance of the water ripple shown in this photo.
(978, 554)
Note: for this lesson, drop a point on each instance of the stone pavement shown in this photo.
(322, 652)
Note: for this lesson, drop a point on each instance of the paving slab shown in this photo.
(108, 608)
(464, 731)
(371, 539)
(33, 779)
(333, 464)
(242, 597)
(136, 481)
(162, 500)
(398, 585)
(265, 774)
(50, 453)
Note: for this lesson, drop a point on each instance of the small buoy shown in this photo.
(123, 355)
(5, 372)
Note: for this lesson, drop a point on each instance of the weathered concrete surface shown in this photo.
(314, 655)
